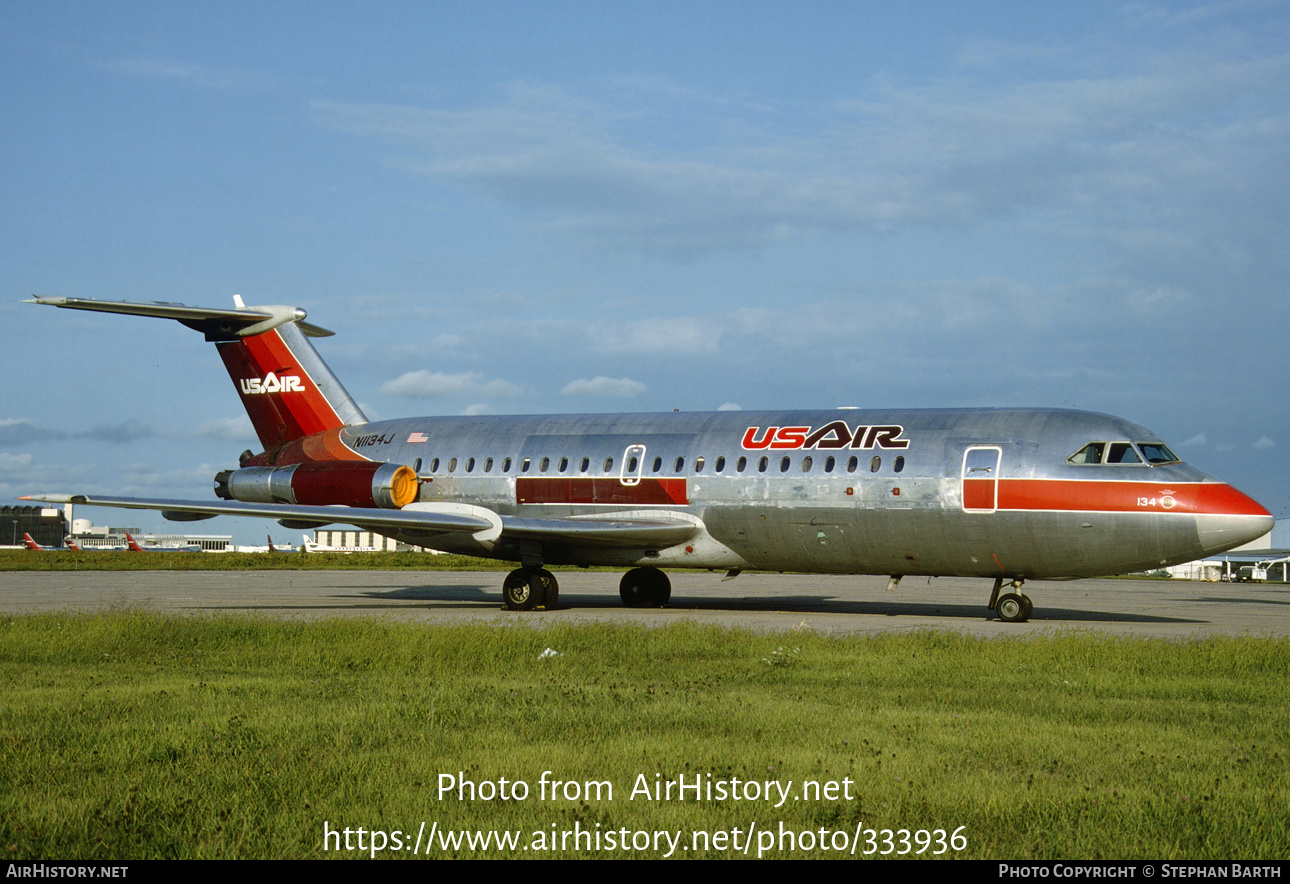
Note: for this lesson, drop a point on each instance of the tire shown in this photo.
(1011, 608)
(523, 589)
(645, 588)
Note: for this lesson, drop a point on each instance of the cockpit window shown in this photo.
(1090, 453)
(1124, 453)
(1158, 452)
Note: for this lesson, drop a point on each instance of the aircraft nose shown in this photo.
(1226, 518)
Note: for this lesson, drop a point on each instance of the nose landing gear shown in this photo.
(1013, 606)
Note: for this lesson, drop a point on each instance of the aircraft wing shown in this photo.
(630, 529)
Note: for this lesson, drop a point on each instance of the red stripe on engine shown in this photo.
(654, 492)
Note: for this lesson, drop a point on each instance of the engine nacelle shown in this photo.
(322, 483)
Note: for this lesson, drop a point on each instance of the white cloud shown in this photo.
(423, 384)
(619, 388)
(1197, 440)
(951, 151)
(1264, 443)
(11, 462)
(730, 406)
(228, 429)
(187, 73)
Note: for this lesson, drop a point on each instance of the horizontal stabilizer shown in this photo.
(214, 322)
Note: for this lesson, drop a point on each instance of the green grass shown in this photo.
(31, 560)
(134, 735)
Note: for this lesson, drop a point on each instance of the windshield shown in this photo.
(1122, 453)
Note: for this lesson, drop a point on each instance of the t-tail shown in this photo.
(286, 388)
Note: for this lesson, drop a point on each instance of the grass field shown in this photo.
(134, 735)
(31, 560)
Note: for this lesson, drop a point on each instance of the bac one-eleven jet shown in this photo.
(1009, 494)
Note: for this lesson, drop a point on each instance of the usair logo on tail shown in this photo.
(272, 384)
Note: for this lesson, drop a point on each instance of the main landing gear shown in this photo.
(645, 588)
(1013, 606)
(527, 588)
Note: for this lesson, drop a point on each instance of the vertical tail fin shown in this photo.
(286, 388)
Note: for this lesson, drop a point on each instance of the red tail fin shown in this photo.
(286, 388)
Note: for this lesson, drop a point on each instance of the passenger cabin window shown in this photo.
(720, 464)
(506, 465)
(679, 465)
(698, 464)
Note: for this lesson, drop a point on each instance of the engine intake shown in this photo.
(322, 483)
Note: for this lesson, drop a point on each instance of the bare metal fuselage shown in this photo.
(852, 502)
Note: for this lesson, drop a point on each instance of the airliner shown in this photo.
(1008, 494)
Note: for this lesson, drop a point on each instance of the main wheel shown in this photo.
(1011, 607)
(1030, 607)
(645, 588)
(551, 589)
(525, 588)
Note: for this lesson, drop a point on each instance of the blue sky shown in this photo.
(589, 207)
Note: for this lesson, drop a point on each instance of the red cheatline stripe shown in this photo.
(1195, 497)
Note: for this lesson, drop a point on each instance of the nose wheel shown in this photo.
(1012, 607)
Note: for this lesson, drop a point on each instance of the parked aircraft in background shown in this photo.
(75, 546)
(133, 546)
(1009, 494)
(31, 544)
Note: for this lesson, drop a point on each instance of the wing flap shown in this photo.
(626, 529)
